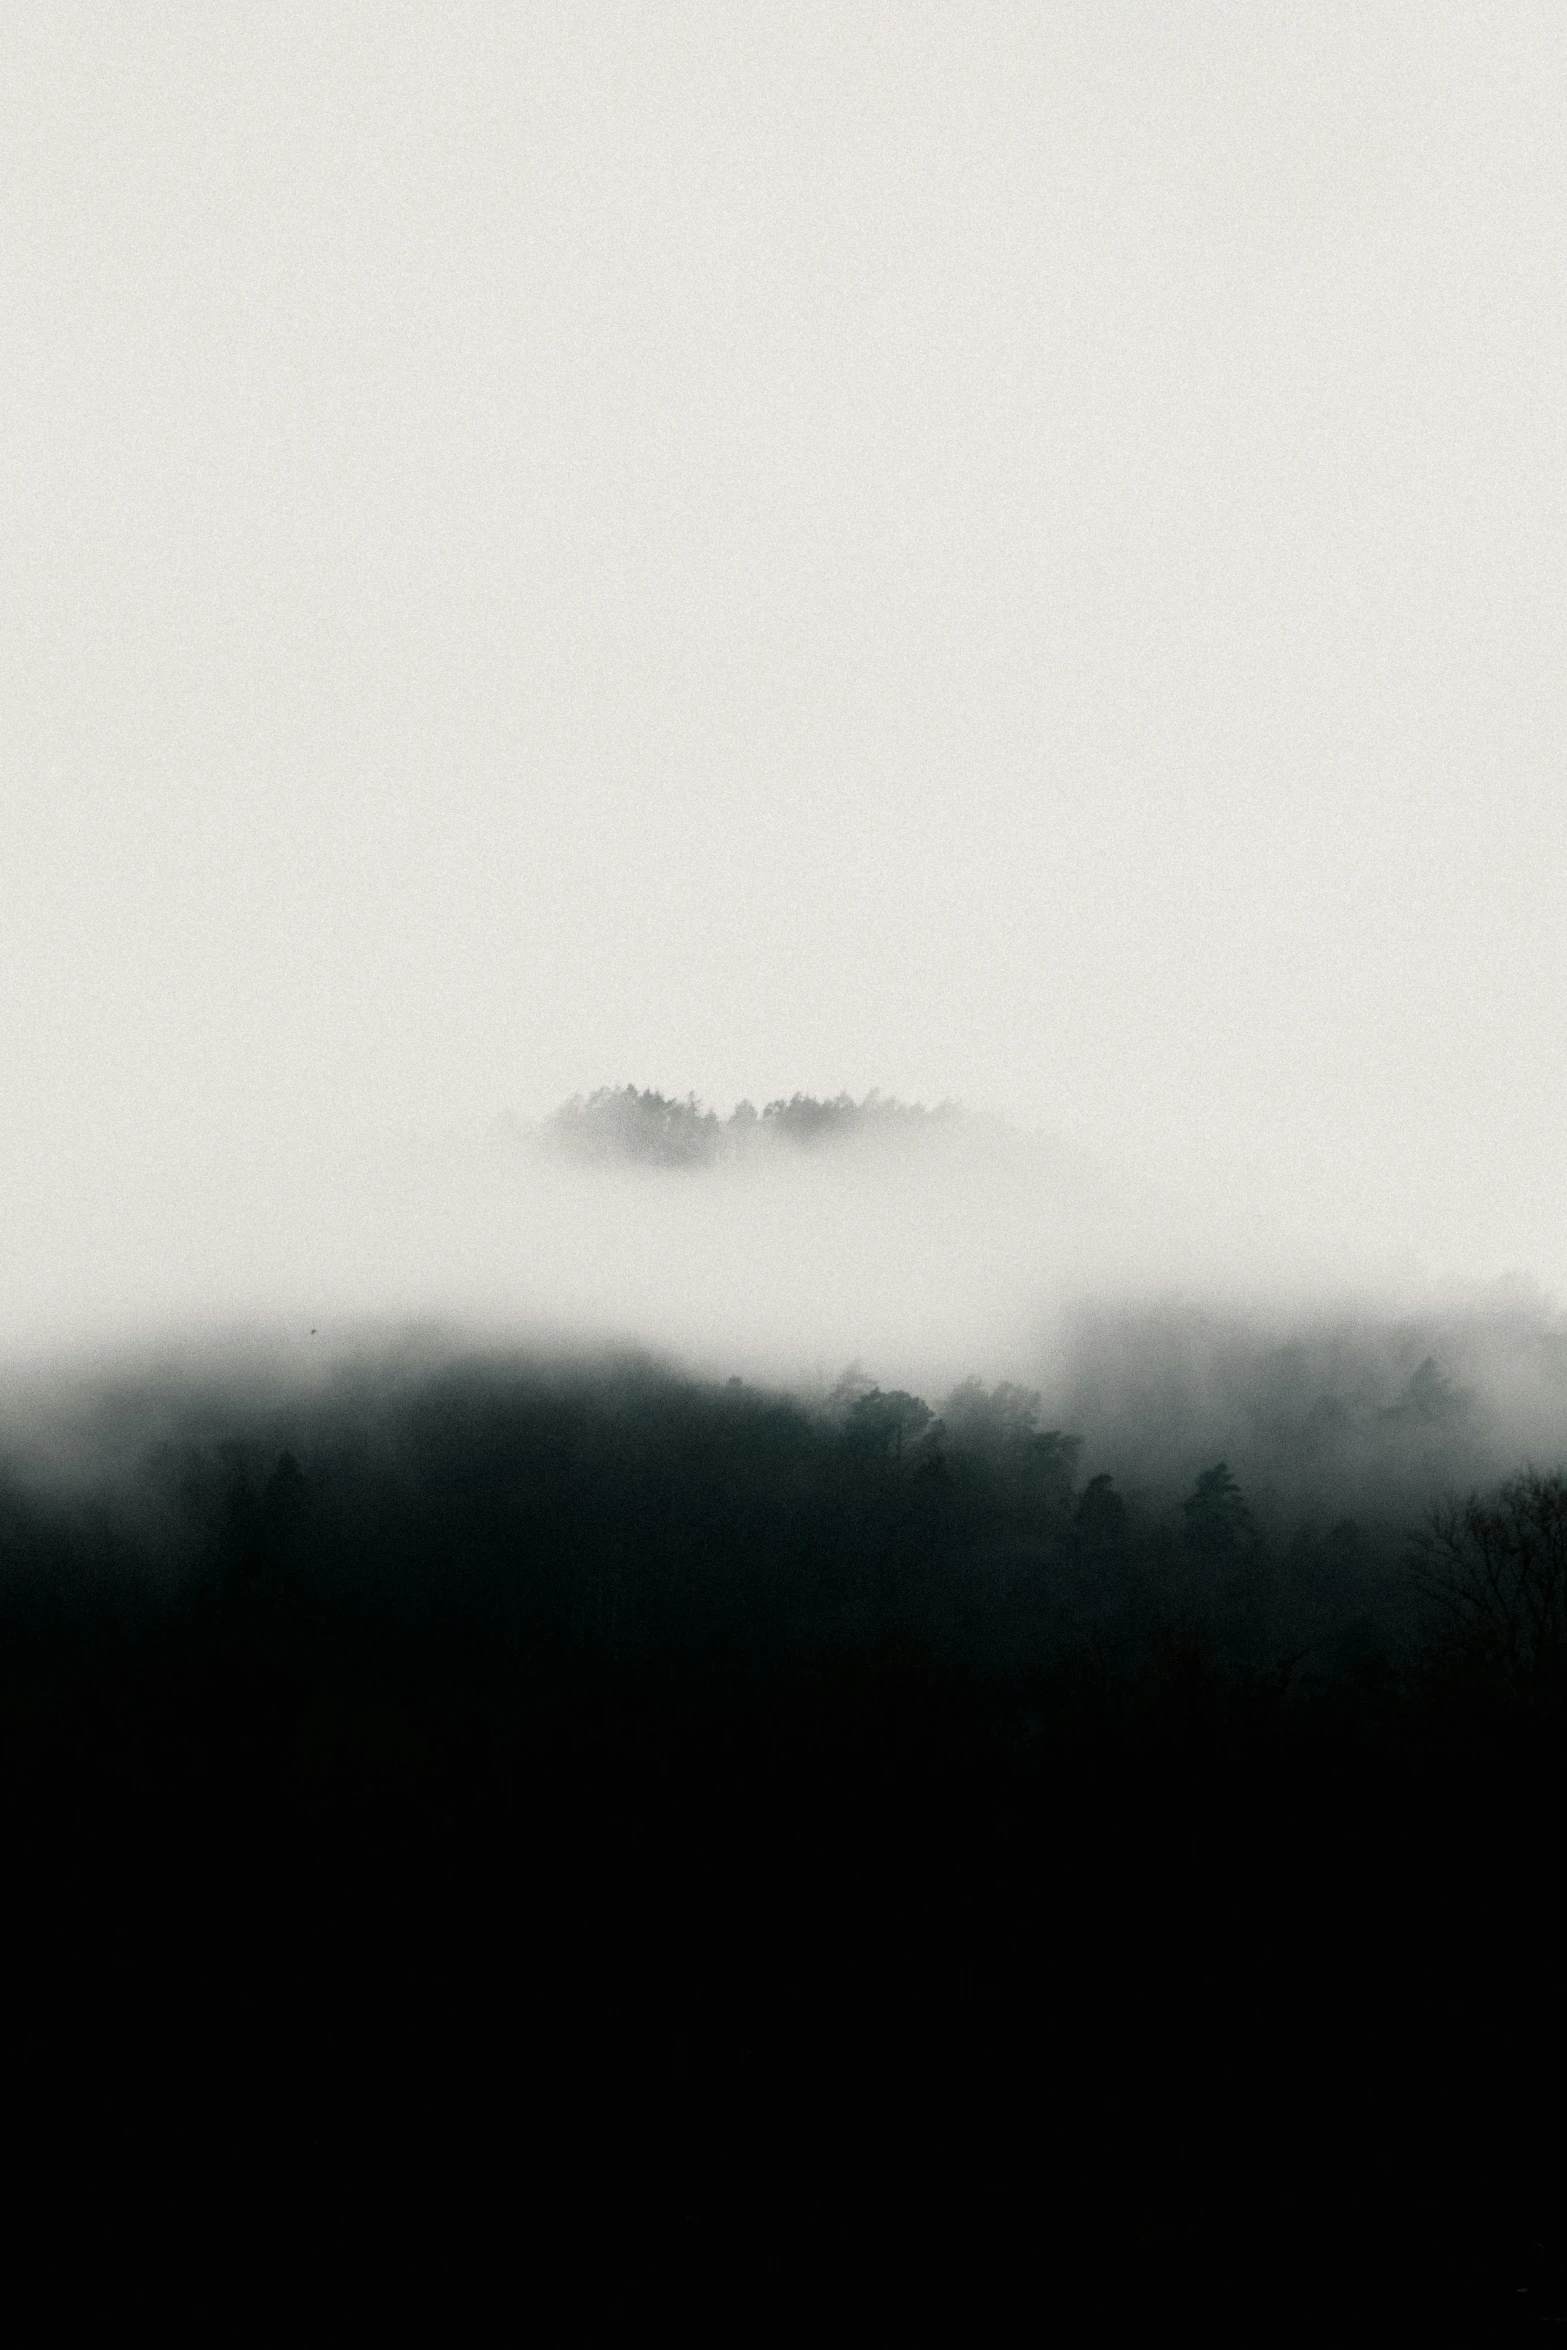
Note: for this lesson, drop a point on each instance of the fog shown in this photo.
(916, 1250)
(996, 554)
(926, 1256)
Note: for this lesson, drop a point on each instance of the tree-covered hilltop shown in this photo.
(618, 1125)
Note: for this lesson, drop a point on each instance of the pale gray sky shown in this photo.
(990, 551)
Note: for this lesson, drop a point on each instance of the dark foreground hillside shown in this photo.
(741, 1838)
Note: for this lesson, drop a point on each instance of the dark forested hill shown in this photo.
(821, 1774)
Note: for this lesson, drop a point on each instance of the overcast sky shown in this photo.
(1010, 552)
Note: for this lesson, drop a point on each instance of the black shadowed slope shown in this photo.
(875, 1824)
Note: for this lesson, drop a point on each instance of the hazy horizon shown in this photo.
(1003, 556)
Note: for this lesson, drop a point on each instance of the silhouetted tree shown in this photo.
(988, 1421)
(1000, 1431)
(882, 1423)
(1496, 1572)
(1218, 1523)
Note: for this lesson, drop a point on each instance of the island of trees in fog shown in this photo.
(620, 1125)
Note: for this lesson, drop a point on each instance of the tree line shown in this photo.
(620, 1125)
(625, 1518)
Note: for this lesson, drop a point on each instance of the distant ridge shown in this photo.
(618, 1125)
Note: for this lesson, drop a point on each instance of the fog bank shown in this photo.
(927, 1254)
(924, 1249)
